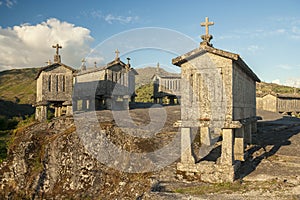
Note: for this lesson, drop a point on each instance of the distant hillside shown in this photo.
(266, 88)
(18, 85)
(145, 75)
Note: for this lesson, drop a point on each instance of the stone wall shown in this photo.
(244, 93)
(55, 84)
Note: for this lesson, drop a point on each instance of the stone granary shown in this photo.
(166, 86)
(281, 103)
(111, 86)
(218, 99)
(54, 88)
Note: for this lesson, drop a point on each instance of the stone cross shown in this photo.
(83, 61)
(128, 61)
(207, 24)
(117, 53)
(49, 62)
(57, 47)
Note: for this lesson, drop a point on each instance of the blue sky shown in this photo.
(266, 34)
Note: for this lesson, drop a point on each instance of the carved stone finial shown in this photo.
(48, 62)
(57, 58)
(57, 46)
(117, 54)
(128, 63)
(207, 37)
(83, 66)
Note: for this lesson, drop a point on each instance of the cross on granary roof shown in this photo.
(207, 37)
(117, 54)
(207, 23)
(57, 46)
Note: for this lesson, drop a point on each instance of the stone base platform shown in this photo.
(210, 171)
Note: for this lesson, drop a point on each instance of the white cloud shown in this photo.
(295, 32)
(285, 67)
(121, 19)
(31, 45)
(277, 81)
(253, 48)
(8, 3)
(292, 82)
(111, 18)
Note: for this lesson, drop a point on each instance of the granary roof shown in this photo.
(205, 48)
(53, 65)
(169, 76)
(292, 96)
(287, 96)
(117, 61)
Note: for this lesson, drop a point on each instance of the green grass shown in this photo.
(4, 138)
(266, 88)
(144, 93)
(18, 85)
(7, 129)
(227, 188)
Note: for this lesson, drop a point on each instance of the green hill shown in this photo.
(145, 75)
(18, 85)
(266, 88)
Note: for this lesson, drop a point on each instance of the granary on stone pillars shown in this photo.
(54, 88)
(281, 103)
(217, 101)
(108, 87)
(166, 85)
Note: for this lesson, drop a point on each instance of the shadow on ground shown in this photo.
(271, 136)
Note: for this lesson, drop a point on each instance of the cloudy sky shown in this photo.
(266, 33)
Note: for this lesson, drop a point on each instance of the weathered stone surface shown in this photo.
(48, 161)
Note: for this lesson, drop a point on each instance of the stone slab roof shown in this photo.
(284, 96)
(204, 49)
(107, 66)
(53, 65)
(289, 96)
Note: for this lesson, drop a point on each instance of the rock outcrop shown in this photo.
(48, 161)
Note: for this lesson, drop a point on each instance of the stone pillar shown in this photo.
(254, 127)
(178, 99)
(92, 104)
(41, 113)
(160, 101)
(172, 102)
(108, 103)
(69, 108)
(132, 98)
(84, 104)
(248, 135)
(55, 111)
(168, 100)
(186, 149)
(88, 104)
(74, 105)
(126, 103)
(205, 136)
(59, 111)
(227, 147)
(239, 144)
